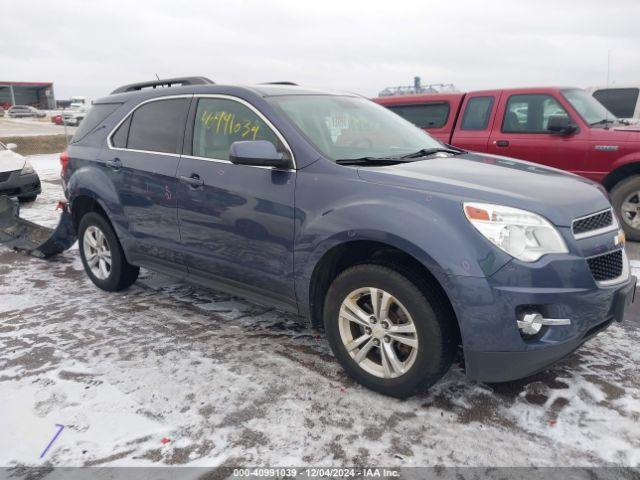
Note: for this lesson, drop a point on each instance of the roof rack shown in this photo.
(167, 82)
(280, 83)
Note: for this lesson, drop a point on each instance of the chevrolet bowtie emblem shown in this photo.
(620, 239)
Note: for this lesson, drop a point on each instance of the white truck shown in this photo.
(622, 101)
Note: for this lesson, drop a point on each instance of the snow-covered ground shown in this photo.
(167, 373)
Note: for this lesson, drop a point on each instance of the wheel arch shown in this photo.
(349, 253)
(621, 172)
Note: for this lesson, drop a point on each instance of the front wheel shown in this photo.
(102, 255)
(625, 197)
(387, 333)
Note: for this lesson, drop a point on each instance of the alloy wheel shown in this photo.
(378, 332)
(97, 252)
(630, 210)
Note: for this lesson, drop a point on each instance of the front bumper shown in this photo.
(21, 186)
(503, 366)
(558, 287)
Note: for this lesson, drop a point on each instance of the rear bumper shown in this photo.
(21, 186)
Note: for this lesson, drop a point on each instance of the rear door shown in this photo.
(474, 124)
(236, 221)
(520, 131)
(142, 160)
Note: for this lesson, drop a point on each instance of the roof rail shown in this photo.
(280, 83)
(167, 82)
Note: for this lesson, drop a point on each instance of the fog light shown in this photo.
(531, 323)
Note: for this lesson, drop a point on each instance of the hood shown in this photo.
(554, 194)
(10, 161)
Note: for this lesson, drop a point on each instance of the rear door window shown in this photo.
(428, 115)
(619, 101)
(477, 113)
(158, 126)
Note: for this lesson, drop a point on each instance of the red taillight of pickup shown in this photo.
(64, 161)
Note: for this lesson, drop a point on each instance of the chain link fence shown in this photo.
(34, 136)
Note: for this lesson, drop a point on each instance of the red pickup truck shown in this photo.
(564, 128)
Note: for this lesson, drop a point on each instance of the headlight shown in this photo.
(27, 169)
(523, 235)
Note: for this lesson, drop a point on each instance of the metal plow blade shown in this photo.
(25, 236)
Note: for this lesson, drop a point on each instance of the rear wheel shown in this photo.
(102, 255)
(625, 197)
(387, 333)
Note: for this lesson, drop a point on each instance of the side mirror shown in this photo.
(260, 153)
(12, 146)
(561, 124)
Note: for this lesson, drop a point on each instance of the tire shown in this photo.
(95, 229)
(433, 328)
(625, 196)
(27, 199)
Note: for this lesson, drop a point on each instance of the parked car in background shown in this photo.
(25, 111)
(17, 176)
(565, 128)
(622, 101)
(57, 118)
(1, 112)
(74, 116)
(332, 207)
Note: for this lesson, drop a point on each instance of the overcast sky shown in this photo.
(88, 48)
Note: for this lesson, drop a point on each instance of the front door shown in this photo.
(236, 221)
(521, 132)
(142, 161)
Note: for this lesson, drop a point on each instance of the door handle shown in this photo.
(194, 180)
(115, 163)
(501, 143)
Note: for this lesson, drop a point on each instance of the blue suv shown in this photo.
(405, 250)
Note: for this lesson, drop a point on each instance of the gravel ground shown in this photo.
(169, 374)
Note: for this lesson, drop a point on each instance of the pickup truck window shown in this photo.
(219, 122)
(344, 127)
(429, 115)
(530, 113)
(477, 113)
(619, 101)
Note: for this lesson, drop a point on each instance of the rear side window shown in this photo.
(119, 139)
(220, 122)
(429, 115)
(619, 101)
(158, 126)
(96, 115)
(477, 113)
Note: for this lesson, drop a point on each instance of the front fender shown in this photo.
(429, 227)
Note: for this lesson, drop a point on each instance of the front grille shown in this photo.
(4, 176)
(592, 222)
(607, 266)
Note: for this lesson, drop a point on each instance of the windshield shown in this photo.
(591, 110)
(344, 128)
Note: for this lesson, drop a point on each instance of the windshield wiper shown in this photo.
(425, 152)
(604, 121)
(373, 161)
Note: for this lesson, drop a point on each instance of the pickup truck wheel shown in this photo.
(385, 331)
(102, 255)
(625, 197)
